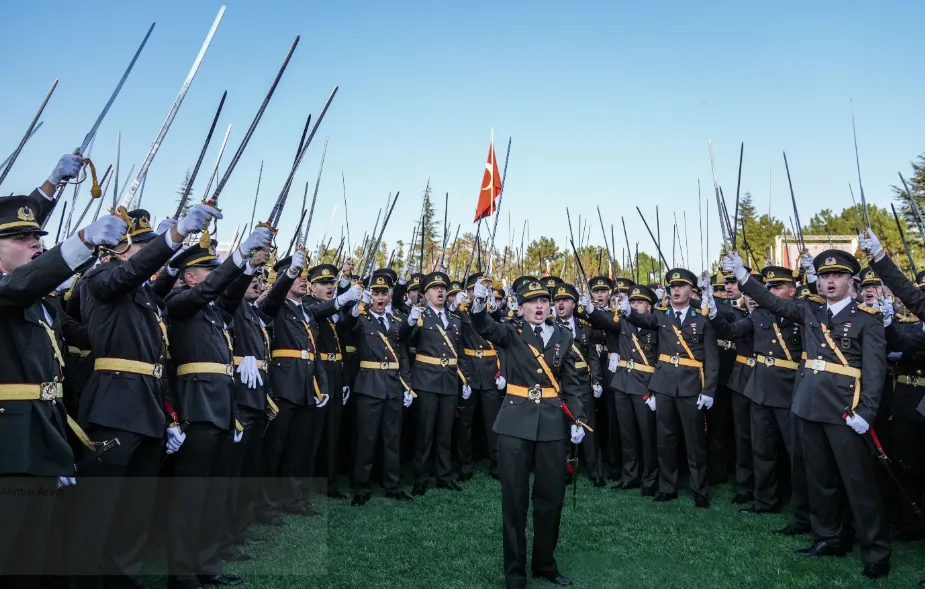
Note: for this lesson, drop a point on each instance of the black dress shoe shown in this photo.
(648, 491)
(557, 578)
(463, 477)
(793, 530)
(451, 486)
(253, 542)
(222, 579)
(495, 476)
(665, 497)
(336, 494)
(877, 570)
(621, 486)
(599, 482)
(419, 489)
(821, 548)
(755, 510)
(701, 501)
(359, 500)
(273, 520)
(741, 499)
(239, 557)
(400, 496)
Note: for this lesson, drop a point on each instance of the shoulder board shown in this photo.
(510, 314)
(868, 310)
(907, 318)
(584, 322)
(817, 299)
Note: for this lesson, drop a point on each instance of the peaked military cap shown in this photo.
(717, 280)
(415, 282)
(140, 227)
(774, 275)
(381, 280)
(920, 278)
(870, 278)
(601, 283)
(834, 260)
(564, 291)
(197, 257)
(641, 292)
(624, 284)
(435, 279)
(389, 272)
(519, 281)
(18, 217)
(497, 289)
(282, 264)
(322, 273)
(551, 282)
(680, 276)
(473, 278)
(531, 289)
(455, 287)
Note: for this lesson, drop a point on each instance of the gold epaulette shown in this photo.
(910, 318)
(816, 299)
(869, 310)
(584, 322)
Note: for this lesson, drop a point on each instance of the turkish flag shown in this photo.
(491, 187)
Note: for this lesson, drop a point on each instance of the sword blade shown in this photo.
(202, 155)
(8, 164)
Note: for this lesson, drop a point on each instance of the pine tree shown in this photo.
(185, 209)
(916, 184)
(431, 233)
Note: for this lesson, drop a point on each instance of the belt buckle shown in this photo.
(478, 353)
(750, 362)
(725, 343)
(49, 391)
(385, 365)
(912, 381)
(630, 364)
(332, 357)
(444, 362)
(818, 364)
(229, 370)
(675, 360)
(769, 361)
(535, 393)
(305, 354)
(158, 371)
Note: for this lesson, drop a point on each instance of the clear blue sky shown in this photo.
(608, 103)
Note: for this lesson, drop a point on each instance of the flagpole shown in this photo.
(491, 148)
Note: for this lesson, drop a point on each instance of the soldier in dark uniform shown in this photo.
(532, 428)
(382, 389)
(836, 399)
(486, 379)
(299, 384)
(202, 350)
(328, 311)
(34, 454)
(565, 298)
(407, 291)
(123, 400)
(440, 373)
(684, 384)
(871, 287)
(635, 355)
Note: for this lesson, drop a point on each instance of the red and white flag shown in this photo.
(491, 187)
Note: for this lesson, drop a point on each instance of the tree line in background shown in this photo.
(543, 255)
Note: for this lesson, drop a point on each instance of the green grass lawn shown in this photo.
(612, 539)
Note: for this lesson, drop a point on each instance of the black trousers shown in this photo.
(799, 479)
(908, 453)
(742, 424)
(329, 454)
(434, 434)
(839, 463)
(614, 437)
(719, 434)
(290, 446)
(488, 401)
(108, 523)
(638, 440)
(378, 419)
(589, 446)
(516, 458)
(197, 506)
(243, 486)
(673, 414)
(770, 426)
(26, 508)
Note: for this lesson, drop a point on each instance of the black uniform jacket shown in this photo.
(294, 328)
(628, 379)
(426, 338)
(484, 357)
(540, 420)
(770, 384)
(329, 344)
(379, 383)
(820, 395)
(728, 348)
(123, 320)
(674, 378)
(199, 332)
(908, 338)
(32, 433)
(588, 363)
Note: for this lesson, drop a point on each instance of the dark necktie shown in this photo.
(382, 323)
(539, 334)
(677, 315)
(440, 317)
(830, 316)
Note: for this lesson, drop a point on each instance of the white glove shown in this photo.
(68, 167)
(613, 361)
(870, 245)
(660, 293)
(367, 296)
(704, 401)
(806, 264)
(402, 278)
(625, 306)
(260, 238)
(352, 294)
(324, 401)
(66, 481)
(414, 315)
(199, 216)
(597, 390)
(250, 374)
(165, 225)
(512, 301)
(107, 230)
(407, 399)
(500, 383)
(346, 394)
(175, 439)
(481, 292)
(650, 402)
(238, 436)
(461, 297)
(710, 300)
(466, 392)
(732, 263)
(585, 302)
(492, 305)
(578, 433)
(298, 262)
(894, 356)
(858, 423)
(887, 309)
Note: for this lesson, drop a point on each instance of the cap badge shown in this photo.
(676, 275)
(771, 274)
(561, 291)
(144, 223)
(829, 261)
(380, 280)
(25, 214)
